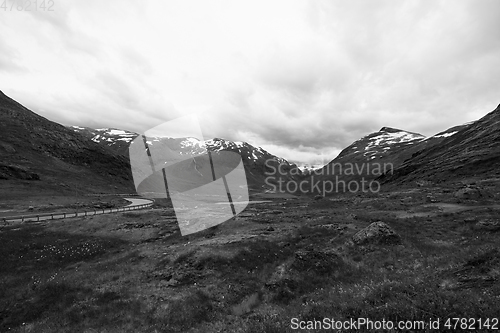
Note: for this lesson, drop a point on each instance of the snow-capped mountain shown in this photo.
(116, 139)
(307, 168)
(257, 162)
(380, 144)
(119, 140)
(470, 150)
(391, 145)
(379, 152)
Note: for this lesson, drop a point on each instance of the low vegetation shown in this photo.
(134, 272)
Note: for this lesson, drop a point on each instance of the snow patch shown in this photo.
(191, 142)
(445, 135)
(116, 132)
(392, 138)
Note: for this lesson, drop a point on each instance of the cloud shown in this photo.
(9, 58)
(304, 79)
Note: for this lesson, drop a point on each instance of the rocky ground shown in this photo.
(406, 254)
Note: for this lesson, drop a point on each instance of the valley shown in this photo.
(281, 258)
(422, 246)
(249, 166)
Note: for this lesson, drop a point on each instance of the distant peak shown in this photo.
(390, 130)
(396, 130)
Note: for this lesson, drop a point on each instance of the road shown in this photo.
(135, 204)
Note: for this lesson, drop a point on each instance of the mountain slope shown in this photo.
(366, 159)
(379, 145)
(473, 151)
(115, 139)
(35, 148)
(263, 169)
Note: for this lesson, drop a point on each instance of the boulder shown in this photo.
(472, 193)
(488, 225)
(376, 233)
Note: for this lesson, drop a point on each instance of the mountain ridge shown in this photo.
(472, 149)
(257, 161)
(35, 148)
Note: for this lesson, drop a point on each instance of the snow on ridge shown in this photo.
(392, 138)
(191, 142)
(445, 135)
(116, 132)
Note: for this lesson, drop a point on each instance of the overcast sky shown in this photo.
(302, 79)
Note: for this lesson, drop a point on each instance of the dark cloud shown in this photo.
(304, 79)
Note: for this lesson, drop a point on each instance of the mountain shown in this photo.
(263, 169)
(307, 168)
(115, 139)
(376, 154)
(367, 158)
(52, 157)
(379, 145)
(468, 151)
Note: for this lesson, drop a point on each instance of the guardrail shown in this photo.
(55, 216)
(111, 194)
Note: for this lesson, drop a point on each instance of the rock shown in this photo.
(281, 275)
(471, 193)
(376, 233)
(318, 197)
(8, 148)
(31, 208)
(270, 229)
(170, 283)
(352, 216)
(421, 183)
(430, 198)
(470, 220)
(488, 225)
